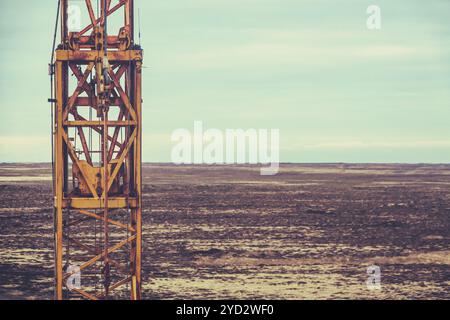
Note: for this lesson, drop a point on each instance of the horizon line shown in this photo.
(261, 164)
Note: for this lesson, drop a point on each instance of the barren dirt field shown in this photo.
(213, 232)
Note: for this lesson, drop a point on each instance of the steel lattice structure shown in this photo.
(97, 154)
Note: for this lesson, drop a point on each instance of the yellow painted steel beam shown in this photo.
(85, 294)
(59, 183)
(123, 95)
(136, 283)
(91, 203)
(87, 57)
(78, 90)
(121, 160)
(124, 123)
(93, 251)
(110, 221)
(75, 160)
(101, 255)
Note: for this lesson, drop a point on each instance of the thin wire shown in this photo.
(56, 30)
(52, 97)
(68, 238)
(139, 24)
(105, 21)
(52, 94)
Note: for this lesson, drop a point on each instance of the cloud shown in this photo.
(361, 144)
(277, 48)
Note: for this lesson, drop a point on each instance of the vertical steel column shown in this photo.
(59, 176)
(137, 213)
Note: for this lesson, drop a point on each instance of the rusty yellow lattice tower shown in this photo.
(97, 154)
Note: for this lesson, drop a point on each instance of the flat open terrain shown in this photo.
(309, 232)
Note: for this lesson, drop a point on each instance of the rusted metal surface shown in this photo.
(97, 152)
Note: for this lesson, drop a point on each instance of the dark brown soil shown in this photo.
(309, 232)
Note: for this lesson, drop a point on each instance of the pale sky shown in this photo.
(337, 91)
